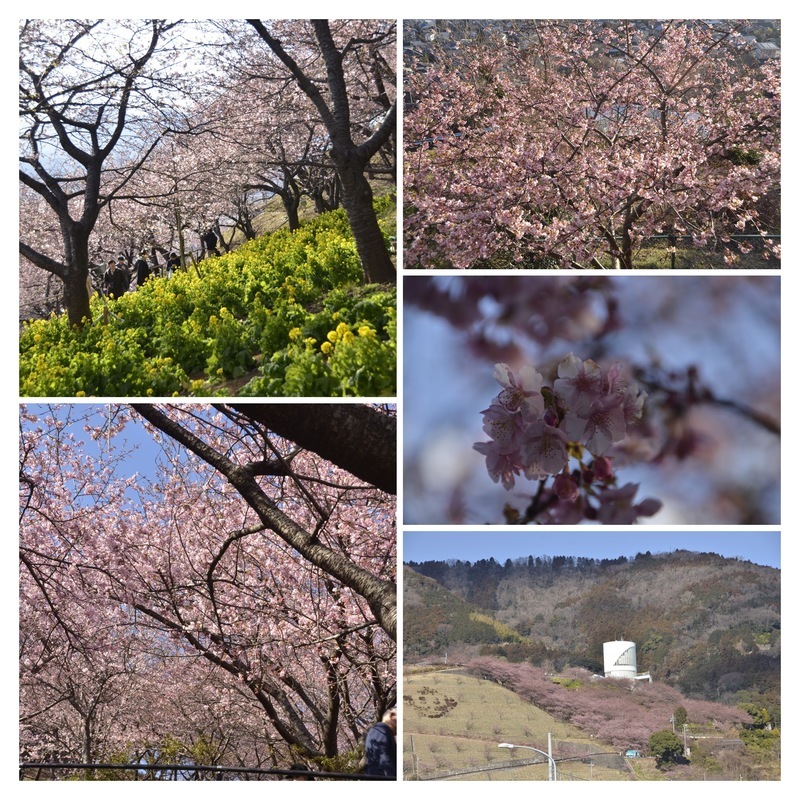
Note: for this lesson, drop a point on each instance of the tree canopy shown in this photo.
(187, 574)
(570, 143)
(146, 134)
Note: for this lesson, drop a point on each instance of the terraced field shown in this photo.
(453, 724)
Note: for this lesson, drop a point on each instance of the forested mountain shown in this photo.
(710, 626)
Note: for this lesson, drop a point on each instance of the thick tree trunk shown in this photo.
(357, 201)
(349, 159)
(76, 295)
(292, 205)
(356, 438)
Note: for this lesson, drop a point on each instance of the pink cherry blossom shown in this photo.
(543, 450)
(566, 487)
(588, 410)
(595, 136)
(603, 425)
(501, 466)
(579, 384)
(520, 394)
(503, 426)
(617, 507)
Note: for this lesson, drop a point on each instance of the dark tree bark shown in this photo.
(356, 438)
(49, 108)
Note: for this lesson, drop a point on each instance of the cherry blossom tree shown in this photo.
(569, 143)
(324, 72)
(146, 134)
(224, 580)
(272, 159)
(93, 105)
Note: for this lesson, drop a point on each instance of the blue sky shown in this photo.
(760, 547)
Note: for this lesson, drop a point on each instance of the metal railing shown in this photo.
(37, 771)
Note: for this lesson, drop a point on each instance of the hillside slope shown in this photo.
(455, 718)
(707, 625)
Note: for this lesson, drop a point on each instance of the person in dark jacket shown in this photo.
(173, 264)
(115, 280)
(143, 271)
(210, 241)
(381, 746)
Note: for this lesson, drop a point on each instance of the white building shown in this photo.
(619, 661)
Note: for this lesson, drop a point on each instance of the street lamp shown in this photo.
(551, 765)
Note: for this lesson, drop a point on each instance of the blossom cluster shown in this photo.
(536, 429)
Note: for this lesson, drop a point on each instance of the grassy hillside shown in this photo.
(454, 719)
(707, 625)
(453, 722)
(284, 315)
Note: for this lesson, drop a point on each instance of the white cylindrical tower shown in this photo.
(619, 659)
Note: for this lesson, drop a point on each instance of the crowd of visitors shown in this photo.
(118, 278)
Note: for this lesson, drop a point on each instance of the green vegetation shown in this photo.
(433, 617)
(284, 315)
(505, 633)
(706, 625)
(666, 747)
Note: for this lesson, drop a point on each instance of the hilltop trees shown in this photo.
(224, 582)
(570, 143)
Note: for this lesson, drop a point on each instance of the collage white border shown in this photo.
(790, 331)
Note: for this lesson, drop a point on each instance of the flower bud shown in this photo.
(603, 469)
(566, 487)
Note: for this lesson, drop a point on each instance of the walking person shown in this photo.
(115, 279)
(143, 271)
(173, 264)
(210, 241)
(381, 746)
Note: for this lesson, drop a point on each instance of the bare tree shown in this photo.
(91, 107)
